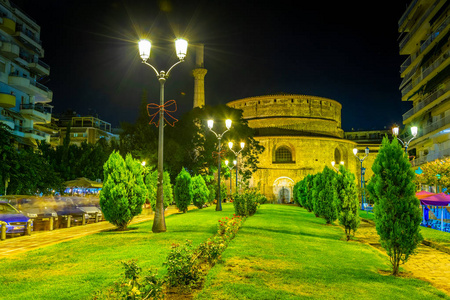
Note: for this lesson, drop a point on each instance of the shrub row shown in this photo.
(247, 203)
(331, 195)
(186, 266)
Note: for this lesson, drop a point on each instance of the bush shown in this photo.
(183, 190)
(308, 197)
(151, 181)
(247, 203)
(124, 191)
(133, 286)
(397, 210)
(200, 192)
(182, 265)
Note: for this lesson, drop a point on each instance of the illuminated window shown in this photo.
(283, 155)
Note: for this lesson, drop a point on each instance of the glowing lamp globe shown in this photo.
(355, 151)
(144, 49)
(210, 124)
(395, 130)
(242, 145)
(228, 123)
(230, 145)
(333, 163)
(414, 130)
(226, 162)
(181, 48)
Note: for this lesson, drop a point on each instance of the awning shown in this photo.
(83, 183)
(424, 194)
(436, 200)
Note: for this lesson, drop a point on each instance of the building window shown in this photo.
(337, 156)
(283, 155)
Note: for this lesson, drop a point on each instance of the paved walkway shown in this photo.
(39, 239)
(428, 264)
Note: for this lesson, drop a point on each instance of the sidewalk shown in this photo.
(427, 264)
(39, 239)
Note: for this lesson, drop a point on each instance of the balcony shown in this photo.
(7, 100)
(29, 39)
(41, 92)
(429, 99)
(32, 133)
(40, 113)
(39, 67)
(10, 50)
(8, 25)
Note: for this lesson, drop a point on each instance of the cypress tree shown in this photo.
(325, 196)
(200, 192)
(397, 210)
(124, 191)
(347, 201)
(183, 190)
(151, 181)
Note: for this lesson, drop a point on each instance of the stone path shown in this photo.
(428, 264)
(39, 239)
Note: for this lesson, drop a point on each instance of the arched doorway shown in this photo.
(282, 189)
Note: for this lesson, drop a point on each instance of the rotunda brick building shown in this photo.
(301, 134)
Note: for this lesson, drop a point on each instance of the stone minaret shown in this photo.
(199, 77)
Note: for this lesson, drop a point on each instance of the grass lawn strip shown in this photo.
(77, 268)
(284, 252)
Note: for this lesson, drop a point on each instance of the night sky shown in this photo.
(346, 51)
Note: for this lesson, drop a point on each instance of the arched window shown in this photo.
(283, 155)
(337, 156)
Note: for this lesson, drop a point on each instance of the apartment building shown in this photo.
(24, 100)
(424, 40)
(87, 129)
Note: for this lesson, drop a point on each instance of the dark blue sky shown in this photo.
(346, 51)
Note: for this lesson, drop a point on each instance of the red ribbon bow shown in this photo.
(164, 109)
(216, 154)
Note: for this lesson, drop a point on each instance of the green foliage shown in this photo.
(296, 192)
(308, 197)
(247, 203)
(397, 210)
(151, 182)
(325, 195)
(182, 265)
(133, 286)
(347, 200)
(124, 191)
(183, 190)
(200, 192)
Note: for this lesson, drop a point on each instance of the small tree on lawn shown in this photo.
(151, 181)
(296, 192)
(347, 201)
(200, 192)
(325, 196)
(183, 190)
(308, 200)
(124, 191)
(397, 210)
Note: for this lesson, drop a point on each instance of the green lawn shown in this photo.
(74, 269)
(284, 252)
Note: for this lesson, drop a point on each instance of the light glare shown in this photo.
(144, 49)
(181, 48)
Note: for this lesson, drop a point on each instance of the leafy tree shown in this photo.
(435, 173)
(347, 200)
(151, 181)
(296, 191)
(200, 192)
(8, 156)
(325, 196)
(124, 191)
(183, 190)
(397, 210)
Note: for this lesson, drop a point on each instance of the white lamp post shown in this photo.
(414, 130)
(230, 145)
(159, 224)
(219, 137)
(231, 168)
(363, 171)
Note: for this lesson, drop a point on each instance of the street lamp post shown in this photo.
(333, 163)
(230, 145)
(395, 130)
(159, 224)
(219, 137)
(231, 168)
(363, 171)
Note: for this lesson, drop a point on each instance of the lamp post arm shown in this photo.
(178, 62)
(402, 142)
(217, 136)
(154, 69)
